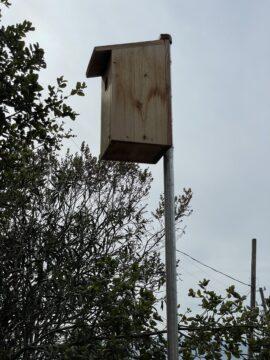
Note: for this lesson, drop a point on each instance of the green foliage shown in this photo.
(29, 115)
(5, 2)
(225, 327)
(80, 270)
(181, 205)
(31, 118)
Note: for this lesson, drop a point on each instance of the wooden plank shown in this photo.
(140, 101)
(134, 152)
(154, 97)
(100, 56)
(106, 108)
(167, 41)
(128, 45)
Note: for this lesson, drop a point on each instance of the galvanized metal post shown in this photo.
(171, 284)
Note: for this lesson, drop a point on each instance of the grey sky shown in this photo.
(221, 108)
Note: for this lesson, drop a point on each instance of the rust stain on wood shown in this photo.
(156, 92)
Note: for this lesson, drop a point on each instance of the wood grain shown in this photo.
(100, 56)
(106, 109)
(140, 103)
(136, 123)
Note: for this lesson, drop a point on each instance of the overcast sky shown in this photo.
(221, 109)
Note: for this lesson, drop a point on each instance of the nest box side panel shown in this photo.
(106, 109)
(141, 105)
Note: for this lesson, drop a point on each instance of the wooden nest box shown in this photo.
(136, 122)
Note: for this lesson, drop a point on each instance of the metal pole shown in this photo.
(253, 287)
(171, 284)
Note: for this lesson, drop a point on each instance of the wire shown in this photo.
(75, 144)
(219, 282)
(210, 267)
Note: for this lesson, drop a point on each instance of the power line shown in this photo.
(218, 282)
(210, 267)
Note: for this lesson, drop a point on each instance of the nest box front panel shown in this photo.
(140, 103)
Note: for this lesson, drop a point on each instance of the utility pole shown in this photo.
(171, 284)
(253, 287)
(253, 274)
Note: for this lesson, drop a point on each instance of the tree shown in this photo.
(83, 267)
(223, 328)
(29, 115)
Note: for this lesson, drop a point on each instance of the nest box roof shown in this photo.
(101, 55)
